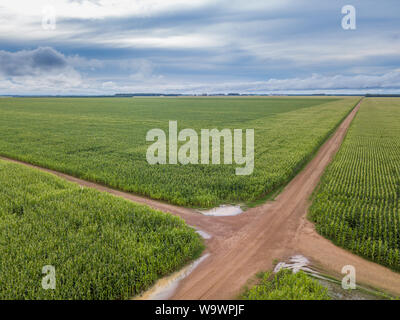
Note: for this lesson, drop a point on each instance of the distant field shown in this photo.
(103, 140)
(102, 247)
(358, 203)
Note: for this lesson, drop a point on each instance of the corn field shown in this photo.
(101, 247)
(286, 285)
(104, 140)
(358, 203)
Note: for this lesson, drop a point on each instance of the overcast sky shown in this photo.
(196, 46)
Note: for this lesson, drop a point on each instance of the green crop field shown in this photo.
(358, 203)
(104, 140)
(101, 247)
(286, 285)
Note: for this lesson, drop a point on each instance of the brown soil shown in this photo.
(248, 243)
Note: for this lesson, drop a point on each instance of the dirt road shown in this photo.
(248, 243)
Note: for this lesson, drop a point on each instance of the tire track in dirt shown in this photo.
(248, 243)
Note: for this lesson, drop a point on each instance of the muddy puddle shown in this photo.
(335, 290)
(296, 263)
(223, 211)
(204, 234)
(166, 287)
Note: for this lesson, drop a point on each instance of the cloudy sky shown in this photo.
(196, 46)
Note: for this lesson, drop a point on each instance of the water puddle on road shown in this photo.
(331, 283)
(296, 263)
(166, 287)
(334, 286)
(223, 211)
(204, 234)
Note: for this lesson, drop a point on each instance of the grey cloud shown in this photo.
(31, 62)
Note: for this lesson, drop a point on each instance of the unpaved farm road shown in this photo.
(248, 243)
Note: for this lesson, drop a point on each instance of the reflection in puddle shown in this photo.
(223, 211)
(296, 263)
(334, 286)
(204, 234)
(165, 287)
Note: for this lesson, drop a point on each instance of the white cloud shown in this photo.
(41, 69)
(193, 41)
(47, 71)
(99, 9)
(70, 82)
(64, 82)
(337, 83)
(197, 45)
(320, 82)
(77, 61)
